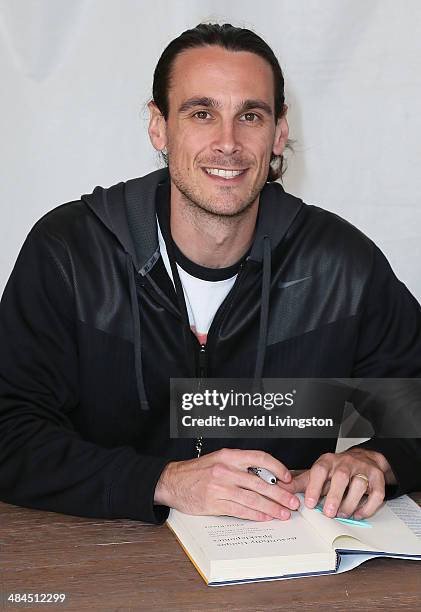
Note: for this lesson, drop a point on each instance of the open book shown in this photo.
(227, 550)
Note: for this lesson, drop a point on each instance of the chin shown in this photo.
(221, 201)
(225, 209)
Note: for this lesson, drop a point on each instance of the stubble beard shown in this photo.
(203, 208)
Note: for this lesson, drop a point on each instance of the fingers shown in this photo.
(233, 477)
(299, 483)
(356, 491)
(253, 458)
(338, 485)
(375, 496)
(231, 508)
(336, 475)
(275, 492)
(253, 501)
(319, 474)
(230, 480)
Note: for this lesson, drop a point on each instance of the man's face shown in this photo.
(221, 129)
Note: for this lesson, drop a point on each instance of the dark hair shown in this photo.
(232, 39)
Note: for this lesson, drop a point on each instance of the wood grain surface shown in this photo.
(127, 565)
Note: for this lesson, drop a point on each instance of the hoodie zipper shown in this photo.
(202, 374)
(203, 353)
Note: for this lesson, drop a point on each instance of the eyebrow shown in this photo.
(207, 102)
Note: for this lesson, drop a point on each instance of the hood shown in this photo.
(128, 211)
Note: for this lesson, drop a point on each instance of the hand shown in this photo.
(219, 484)
(335, 475)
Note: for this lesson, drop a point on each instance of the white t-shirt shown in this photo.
(203, 297)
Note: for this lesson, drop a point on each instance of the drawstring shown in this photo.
(137, 336)
(264, 309)
(188, 336)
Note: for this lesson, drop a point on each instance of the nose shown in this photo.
(226, 139)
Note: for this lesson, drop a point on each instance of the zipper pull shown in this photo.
(202, 361)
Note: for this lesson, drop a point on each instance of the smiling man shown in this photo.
(204, 268)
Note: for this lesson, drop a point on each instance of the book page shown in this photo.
(387, 533)
(409, 512)
(326, 527)
(226, 537)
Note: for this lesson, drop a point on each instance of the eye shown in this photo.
(250, 117)
(201, 114)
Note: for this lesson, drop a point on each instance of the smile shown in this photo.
(226, 174)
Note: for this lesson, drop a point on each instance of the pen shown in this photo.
(263, 474)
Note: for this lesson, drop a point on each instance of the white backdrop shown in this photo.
(76, 77)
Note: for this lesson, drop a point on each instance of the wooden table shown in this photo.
(126, 565)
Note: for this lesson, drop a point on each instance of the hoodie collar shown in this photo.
(128, 210)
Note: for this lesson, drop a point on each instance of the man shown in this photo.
(207, 268)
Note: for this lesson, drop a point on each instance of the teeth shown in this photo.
(227, 174)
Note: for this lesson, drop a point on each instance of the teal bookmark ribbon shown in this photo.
(347, 521)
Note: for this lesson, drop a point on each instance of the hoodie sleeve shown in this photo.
(44, 462)
(390, 347)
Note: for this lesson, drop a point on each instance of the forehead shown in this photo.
(221, 74)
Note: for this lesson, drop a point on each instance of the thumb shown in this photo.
(300, 481)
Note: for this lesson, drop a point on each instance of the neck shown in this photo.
(209, 240)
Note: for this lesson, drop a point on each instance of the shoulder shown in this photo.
(332, 238)
(64, 221)
(65, 236)
(79, 223)
(329, 225)
(314, 228)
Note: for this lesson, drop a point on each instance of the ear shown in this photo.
(157, 127)
(281, 133)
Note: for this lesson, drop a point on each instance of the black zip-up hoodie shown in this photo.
(91, 331)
